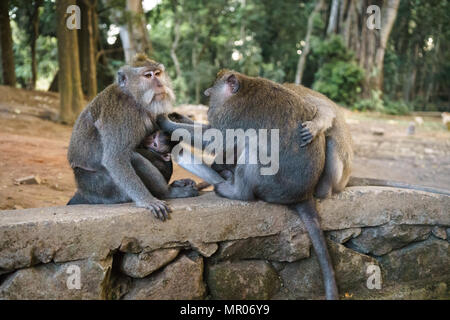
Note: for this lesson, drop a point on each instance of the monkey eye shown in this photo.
(148, 74)
(157, 73)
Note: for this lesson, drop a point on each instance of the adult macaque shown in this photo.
(102, 150)
(241, 102)
(308, 163)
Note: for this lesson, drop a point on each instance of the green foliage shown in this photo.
(398, 107)
(416, 70)
(386, 105)
(46, 44)
(270, 71)
(375, 103)
(339, 77)
(261, 38)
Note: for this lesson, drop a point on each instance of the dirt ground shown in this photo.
(32, 144)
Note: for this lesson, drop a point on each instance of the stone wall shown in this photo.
(385, 244)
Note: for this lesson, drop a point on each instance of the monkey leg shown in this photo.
(238, 186)
(96, 188)
(124, 177)
(332, 175)
(165, 167)
(156, 183)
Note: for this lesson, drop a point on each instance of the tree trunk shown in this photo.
(34, 36)
(54, 84)
(134, 34)
(87, 42)
(369, 45)
(195, 60)
(410, 76)
(389, 14)
(69, 78)
(307, 47)
(333, 21)
(176, 34)
(9, 73)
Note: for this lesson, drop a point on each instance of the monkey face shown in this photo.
(147, 84)
(159, 142)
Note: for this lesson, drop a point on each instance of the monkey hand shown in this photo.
(308, 132)
(158, 207)
(177, 117)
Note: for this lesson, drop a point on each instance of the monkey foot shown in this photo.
(183, 183)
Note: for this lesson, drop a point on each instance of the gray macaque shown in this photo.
(241, 102)
(103, 150)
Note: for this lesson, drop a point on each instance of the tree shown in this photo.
(333, 20)
(307, 47)
(87, 43)
(69, 79)
(133, 33)
(369, 44)
(34, 34)
(176, 38)
(9, 73)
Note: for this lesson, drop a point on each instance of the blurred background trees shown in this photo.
(323, 44)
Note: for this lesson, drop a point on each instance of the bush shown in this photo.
(397, 107)
(375, 103)
(339, 76)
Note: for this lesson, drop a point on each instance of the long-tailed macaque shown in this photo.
(241, 102)
(103, 151)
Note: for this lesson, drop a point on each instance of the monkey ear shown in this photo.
(121, 79)
(233, 82)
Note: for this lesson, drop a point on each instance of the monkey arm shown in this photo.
(125, 177)
(195, 130)
(320, 123)
(186, 160)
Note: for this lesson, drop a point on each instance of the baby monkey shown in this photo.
(158, 147)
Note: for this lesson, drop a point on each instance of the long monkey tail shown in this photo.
(308, 214)
(360, 182)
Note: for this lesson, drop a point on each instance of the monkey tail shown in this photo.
(308, 214)
(360, 182)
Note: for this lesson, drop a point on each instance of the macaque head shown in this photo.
(160, 143)
(146, 81)
(226, 85)
(236, 100)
